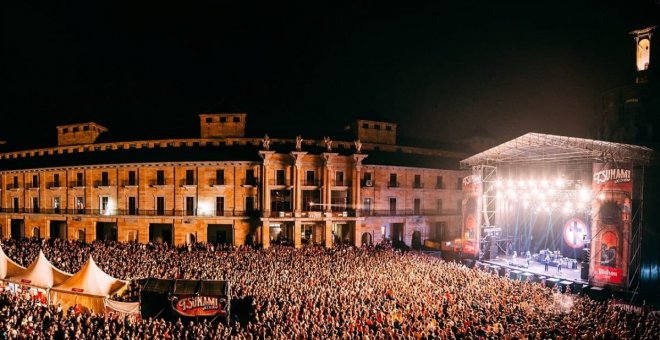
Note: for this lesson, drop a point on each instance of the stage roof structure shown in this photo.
(543, 148)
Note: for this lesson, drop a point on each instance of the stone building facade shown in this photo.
(230, 189)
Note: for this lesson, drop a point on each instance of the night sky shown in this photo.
(441, 70)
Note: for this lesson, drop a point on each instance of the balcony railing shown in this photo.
(218, 182)
(129, 183)
(32, 185)
(344, 183)
(418, 185)
(249, 182)
(275, 182)
(13, 187)
(311, 183)
(409, 212)
(98, 184)
(393, 184)
(187, 183)
(129, 212)
(54, 185)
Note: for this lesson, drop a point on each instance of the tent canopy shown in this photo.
(8, 267)
(91, 280)
(40, 274)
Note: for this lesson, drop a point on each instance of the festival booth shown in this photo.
(8, 267)
(88, 288)
(37, 278)
(118, 308)
(173, 299)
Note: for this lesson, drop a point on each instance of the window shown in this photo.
(377, 126)
(418, 181)
(160, 177)
(310, 177)
(85, 128)
(15, 204)
(56, 180)
(35, 181)
(438, 182)
(279, 177)
(236, 119)
(339, 200)
(132, 206)
(223, 119)
(365, 125)
(104, 204)
(311, 200)
(417, 206)
(56, 204)
(459, 183)
(366, 205)
(190, 206)
(190, 177)
(65, 130)
(220, 177)
(280, 200)
(438, 206)
(339, 178)
(392, 206)
(15, 182)
(393, 182)
(131, 178)
(367, 180)
(219, 206)
(104, 179)
(249, 177)
(249, 203)
(35, 204)
(79, 179)
(160, 205)
(75, 129)
(209, 119)
(388, 127)
(80, 205)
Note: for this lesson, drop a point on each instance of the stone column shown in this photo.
(357, 173)
(297, 229)
(357, 229)
(328, 233)
(265, 186)
(328, 158)
(265, 233)
(297, 181)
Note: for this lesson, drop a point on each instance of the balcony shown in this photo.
(281, 214)
(340, 183)
(279, 183)
(33, 186)
(128, 212)
(159, 184)
(410, 212)
(367, 183)
(129, 184)
(103, 184)
(13, 187)
(77, 185)
(418, 185)
(218, 183)
(311, 183)
(54, 185)
(188, 184)
(393, 184)
(249, 182)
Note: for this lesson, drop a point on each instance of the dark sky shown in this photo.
(440, 69)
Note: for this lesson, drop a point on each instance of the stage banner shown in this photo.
(200, 305)
(610, 224)
(471, 214)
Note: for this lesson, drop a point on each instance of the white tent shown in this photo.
(8, 267)
(40, 274)
(88, 288)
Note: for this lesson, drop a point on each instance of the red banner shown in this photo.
(472, 188)
(193, 305)
(610, 227)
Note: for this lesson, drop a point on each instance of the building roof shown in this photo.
(410, 160)
(542, 148)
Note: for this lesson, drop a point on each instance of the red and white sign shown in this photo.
(191, 305)
(574, 232)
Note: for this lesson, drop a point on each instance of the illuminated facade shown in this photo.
(228, 188)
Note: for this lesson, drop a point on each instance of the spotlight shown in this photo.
(559, 182)
(585, 194)
(521, 183)
(544, 183)
(510, 183)
(601, 196)
(498, 183)
(531, 183)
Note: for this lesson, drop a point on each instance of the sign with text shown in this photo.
(199, 305)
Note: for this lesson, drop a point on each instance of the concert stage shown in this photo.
(538, 269)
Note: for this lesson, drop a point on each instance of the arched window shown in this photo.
(81, 235)
(367, 239)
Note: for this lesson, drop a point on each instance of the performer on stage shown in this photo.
(559, 265)
(547, 261)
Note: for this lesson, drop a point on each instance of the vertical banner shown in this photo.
(471, 214)
(610, 226)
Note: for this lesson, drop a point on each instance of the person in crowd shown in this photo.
(373, 292)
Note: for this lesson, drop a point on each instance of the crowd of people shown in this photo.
(317, 293)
